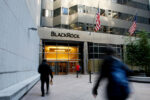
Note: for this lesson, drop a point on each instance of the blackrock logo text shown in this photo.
(54, 34)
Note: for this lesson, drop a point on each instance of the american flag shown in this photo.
(98, 22)
(133, 27)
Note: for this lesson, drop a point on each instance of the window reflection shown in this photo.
(47, 13)
(99, 50)
(132, 3)
(81, 8)
(64, 11)
(73, 10)
(102, 12)
(75, 25)
(57, 12)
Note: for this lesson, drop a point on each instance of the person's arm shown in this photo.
(94, 92)
(99, 78)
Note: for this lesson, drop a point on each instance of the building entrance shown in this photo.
(62, 59)
(63, 68)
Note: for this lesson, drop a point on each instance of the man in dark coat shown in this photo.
(45, 70)
(116, 72)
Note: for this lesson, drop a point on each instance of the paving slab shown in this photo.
(68, 87)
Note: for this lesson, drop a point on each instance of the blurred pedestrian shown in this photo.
(45, 70)
(77, 69)
(116, 72)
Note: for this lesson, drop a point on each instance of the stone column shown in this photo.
(41, 52)
(85, 57)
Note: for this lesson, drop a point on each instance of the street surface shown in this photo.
(68, 87)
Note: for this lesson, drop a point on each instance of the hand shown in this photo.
(94, 92)
(94, 95)
(51, 82)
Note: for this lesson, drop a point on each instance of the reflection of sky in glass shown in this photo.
(65, 11)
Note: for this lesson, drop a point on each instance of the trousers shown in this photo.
(43, 81)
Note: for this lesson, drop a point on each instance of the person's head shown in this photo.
(44, 60)
(110, 51)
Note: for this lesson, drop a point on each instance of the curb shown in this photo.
(139, 79)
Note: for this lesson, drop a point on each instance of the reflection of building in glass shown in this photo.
(78, 17)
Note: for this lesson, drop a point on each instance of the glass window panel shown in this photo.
(96, 56)
(133, 3)
(91, 49)
(115, 14)
(99, 49)
(95, 44)
(104, 29)
(74, 26)
(73, 10)
(90, 56)
(90, 44)
(59, 26)
(57, 12)
(45, 12)
(102, 49)
(50, 56)
(50, 49)
(87, 9)
(81, 8)
(61, 53)
(73, 56)
(65, 11)
(64, 26)
(118, 50)
(95, 49)
(102, 45)
(102, 12)
(101, 56)
(62, 57)
(62, 49)
(73, 50)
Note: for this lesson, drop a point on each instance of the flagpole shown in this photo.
(93, 49)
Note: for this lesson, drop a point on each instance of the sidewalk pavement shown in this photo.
(68, 87)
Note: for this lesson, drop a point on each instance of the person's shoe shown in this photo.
(42, 95)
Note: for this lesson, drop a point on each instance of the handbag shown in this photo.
(51, 82)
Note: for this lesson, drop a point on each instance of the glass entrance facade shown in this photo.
(96, 54)
(62, 58)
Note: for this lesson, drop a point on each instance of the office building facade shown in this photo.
(63, 35)
(67, 35)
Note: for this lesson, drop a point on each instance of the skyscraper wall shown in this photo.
(19, 46)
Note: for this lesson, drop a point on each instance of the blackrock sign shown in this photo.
(54, 34)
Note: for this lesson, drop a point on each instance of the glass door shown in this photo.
(62, 68)
(72, 67)
(62, 58)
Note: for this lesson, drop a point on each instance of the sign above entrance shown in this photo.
(54, 34)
